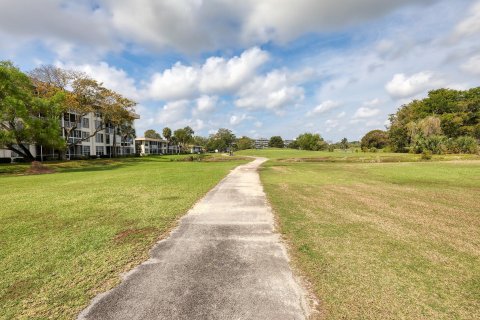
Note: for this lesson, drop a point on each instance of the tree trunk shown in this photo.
(26, 153)
(114, 142)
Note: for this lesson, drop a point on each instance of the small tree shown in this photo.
(184, 136)
(276, 142)
(244, 143)
(375, 139)
(167, 134)
(310, 141)
(344, 144)
(152, 134)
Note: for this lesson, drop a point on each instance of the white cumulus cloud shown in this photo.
(217, 75)
(365, 112)
(274, 91)
(472, 65)
(325, 107)
(403, 86)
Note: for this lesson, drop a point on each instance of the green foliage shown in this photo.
(276, 142)
(445, 112)
(184, 136)
(310, 141)
(221, 141)
(167, 133)
(244, 143)
(152, 134)
(426, 155)
(436, 144)
(26, 118)
(200, 141)
(344, 144)
(464, 144)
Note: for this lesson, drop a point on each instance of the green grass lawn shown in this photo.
(67, 236)
(381, 240)
(347, 156)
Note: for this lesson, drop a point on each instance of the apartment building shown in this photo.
(148, 146)
(108, 141)
(261, 143)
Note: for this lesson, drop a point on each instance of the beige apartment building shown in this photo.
(148, 146)
(103, 143)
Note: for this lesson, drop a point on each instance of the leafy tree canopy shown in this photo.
(152, 134)
(311, 141)
(244, 143)
(375, 139)
(444, 113)
(276, 142)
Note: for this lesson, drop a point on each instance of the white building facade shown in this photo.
(107, 142)
(149, 146)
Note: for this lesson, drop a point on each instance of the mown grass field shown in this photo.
(381, 239)
(67, 236)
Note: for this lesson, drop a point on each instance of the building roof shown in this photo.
(149, 139)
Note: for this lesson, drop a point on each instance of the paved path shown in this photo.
(223, 261)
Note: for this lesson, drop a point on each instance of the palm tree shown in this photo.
(167, 134)
(127, 131)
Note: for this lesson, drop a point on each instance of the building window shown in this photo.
(99, 138)
(85, 123)
(107, 139)
(100, 151)
(98, 124)
(86, 150)
(85, 136)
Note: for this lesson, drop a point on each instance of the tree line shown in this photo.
(33, 104)
(446, 121)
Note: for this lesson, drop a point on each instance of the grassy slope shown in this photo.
(382, 240)
(67, 236)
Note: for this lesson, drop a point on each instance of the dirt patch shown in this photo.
(131, 234)
(38, 168)
(18, 289)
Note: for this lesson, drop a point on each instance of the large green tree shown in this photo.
(184, 136)
(25, 116)
(311, 141)
(375, 139)
(222, 140)
(244, 143)
(276, 142)
(444, 115)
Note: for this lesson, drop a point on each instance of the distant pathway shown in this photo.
(224, 261)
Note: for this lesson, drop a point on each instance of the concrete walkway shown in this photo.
(224, 261)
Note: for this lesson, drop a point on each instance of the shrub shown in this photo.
(375, 139)
(463, 144)
(426, 155)
(331, 148)
(436, 144)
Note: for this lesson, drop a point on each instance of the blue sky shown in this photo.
(260, 68)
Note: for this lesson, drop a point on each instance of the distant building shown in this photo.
(147, 146)
(261, 143)
(286, 143)
(196, 149)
